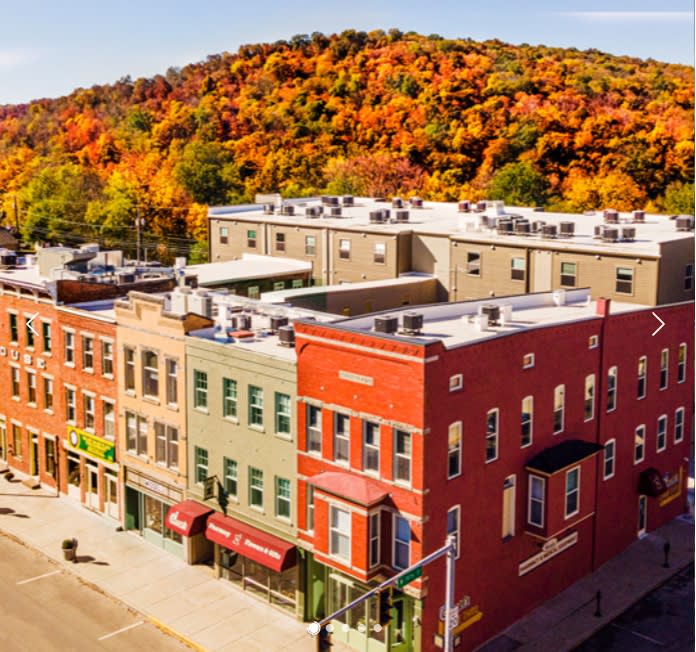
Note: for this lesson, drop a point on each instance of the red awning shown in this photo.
(187, 518)
(272, 552)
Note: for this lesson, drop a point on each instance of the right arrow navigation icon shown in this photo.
(659, 328)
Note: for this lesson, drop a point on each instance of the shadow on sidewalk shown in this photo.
(8, 511)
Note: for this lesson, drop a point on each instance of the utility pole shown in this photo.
(449, 593)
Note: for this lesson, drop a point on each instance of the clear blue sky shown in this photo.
(49, 47)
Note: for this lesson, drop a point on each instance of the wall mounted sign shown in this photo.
(90, 444)
(356, 378)
(550, 549)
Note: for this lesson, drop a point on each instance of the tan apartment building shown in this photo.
(490, 251)
(150, 338)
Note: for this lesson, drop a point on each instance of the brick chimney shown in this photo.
(603, 306)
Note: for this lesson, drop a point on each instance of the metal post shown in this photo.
(449, 593)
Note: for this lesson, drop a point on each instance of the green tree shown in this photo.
(519, 184)
(198, 253)
(113, 215)
(207, 173)
(679, 198)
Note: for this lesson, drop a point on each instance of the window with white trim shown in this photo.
(569, 273)
(129, 368)
(589, 397)
(344, 249)
(688, 276)
(572, 492)
(200, 456)
(255, 487)
(283, 414)
(47, 393)
(229, 398)
(558, 409)
(69, 347)
(527, 421)
(528, 361)
(283, 498)
(341, 438)
(454, 450)
(14, 327)
(517, 269)
(89, 415)
(279, 241)
(374, 538)
(536, 500)
(166, 445)
(664, 368)
(492, 435)
(612, 388)
(200, 389)
(313, 429)
(402, 456)
(661, 432)
(609, 458)
(87, 352)
(150, 362)
(593, 342)
(456, 382)
(109, 419)
(310, 245)
(639, 445)
(370, 446)
(624, 280)
(453, 524)
(15, 381)
(678, 425)
(681, 363)
(47, 338)
(230, 477)
(107, 358)
(642, 376)
(339, 533)
(255, 406)
(473, 263)
(224, 234)
(29, 331)
(70, 405)
(402, 543)
(31, 387)
(509, 501)
(380, 255)
(172, 388)
(136, 433)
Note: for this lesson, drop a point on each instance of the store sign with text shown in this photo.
(550, 549)
(89, 444)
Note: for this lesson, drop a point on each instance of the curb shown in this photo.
(174, 634)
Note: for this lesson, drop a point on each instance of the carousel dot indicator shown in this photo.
(345, 627)
(329, 628)
(313, 628)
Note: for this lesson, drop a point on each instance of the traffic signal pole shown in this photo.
(449, 549)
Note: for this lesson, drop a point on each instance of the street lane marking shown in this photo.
(635, 633)
(38, 577)
(120, 631)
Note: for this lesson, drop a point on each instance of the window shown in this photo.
(572, 492)
(167, 445)
(661, 433)
(341, 438)
(87, 353)
(492, 435)
(339, 533)
(14, 378)
(569, 274)
(528, 361)
(200, 389)
(454, 450)
(310, 245)
(70, 405)
(678, 425)
(313, 429)
(251, 239)
(31, 387)
(681, 364)
(224, 234)
(278, 285)
(17, 440)
(453, 525)
(200, 457)
(593, 342)
(48, 393)
(136, 433)
(344, 249)
(172, 389)
(642, 373)
(473, 263)
(280, 242)
(283, 414)
(380, 252)
(609, 458)
(229, 469)
(46, 336)
(229, 398)
(558, 408)
(88, 404)
(624, 280)
(402, 456)
(664, 368)
(50, 448)
(527, 421)
(612, 384)
(255, 487)
(107, 358)
(688, 277)
(297, 283)
(456, 382)
(283, 500)
(129, 369)
(535, 506)
(69, 347)
(255, 406)
(29, 331)
(14, 328)
(150, 374)
(639, 445)
(310, 508)
(374, 539)
(509, 507)
(109, 419)
(589, 397)
(517, 269)
(402, 542)
(371, 446)
(253, 292)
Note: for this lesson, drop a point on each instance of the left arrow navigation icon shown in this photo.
(29, 324)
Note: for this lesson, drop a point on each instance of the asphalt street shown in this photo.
(43, 608)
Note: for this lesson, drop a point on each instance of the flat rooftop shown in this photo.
(455, 324)
(248, 267)
(444, 219)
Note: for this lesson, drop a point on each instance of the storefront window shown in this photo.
(153, 514)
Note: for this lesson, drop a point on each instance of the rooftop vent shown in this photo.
(379, 199)
(329, 201)
(277, 322)
(401, 216)
(537, 225)
(598, 231)
(480, 206)
(416, 202)
(611, 216)
(312, 211)
(376, 217)
(610, 234)
(492, 311)
(505, 227)
(685, 223)
(523, 227)
(464, 206)
(386, 324)
(287, 209)
(628, 233)
(397, 202)
(286, 336)
(567, 229)
(336, 211)
(7, 258)
(549, 231)
(638, 217)
(412, 322)
(268, 209)
(348, 200)
(243, 322)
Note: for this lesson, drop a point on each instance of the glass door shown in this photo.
(111, 494)
(74, 477)
(400, 629)
(642, 515)
(92, 488)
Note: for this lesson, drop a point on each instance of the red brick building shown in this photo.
(546, 431)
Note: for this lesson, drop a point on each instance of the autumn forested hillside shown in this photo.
(376, 113)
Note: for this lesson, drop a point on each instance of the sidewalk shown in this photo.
(567, 620)
(185, 601)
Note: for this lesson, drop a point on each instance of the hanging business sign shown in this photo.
(90, 444)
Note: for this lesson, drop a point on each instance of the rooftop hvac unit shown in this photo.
(329, 201)
(523, 227)
(401, 216)
(464, 206)
(685, 223)
(412, 322)
(638, 217)
(549, 231)
(336, 211)
(179, 300)
(268, 209)
(125, 277)
(243, 322)
(611, 216)
(492, 311)
(505, 227)
(8, 258)
(379, 199)
(286, 336)
(312, 211)
(397, 202)
(598, 230)
(277, 322)
(610, 234)
(288, 210)
(201, 304)
(480, 206)
(376, 217)
(628, 233)
(386, 324)
(491, 222)
(559, 297)
(416, 202)
(537, 225)
(567, 229)
(348, 200)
